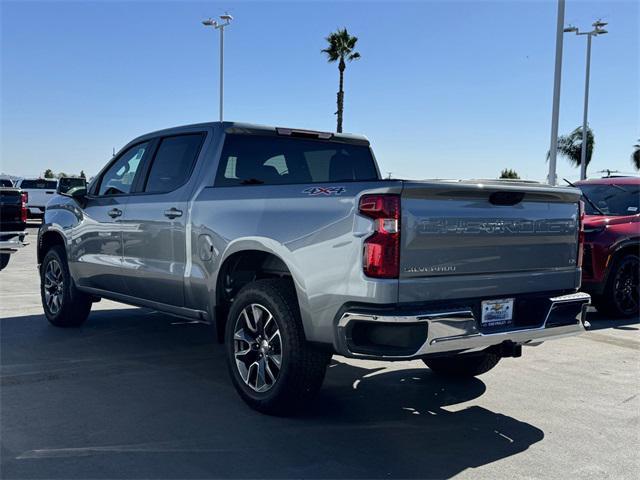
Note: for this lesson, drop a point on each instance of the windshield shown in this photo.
(5, 182)
(612, 199)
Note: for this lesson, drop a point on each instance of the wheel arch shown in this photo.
(623, 248)
(244, 263)
(47, 240)
(631, 245)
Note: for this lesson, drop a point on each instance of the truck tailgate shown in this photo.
(10, 209)
(462, 240)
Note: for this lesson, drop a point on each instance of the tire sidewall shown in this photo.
(56, 253)
(285, 318)
(614, 280)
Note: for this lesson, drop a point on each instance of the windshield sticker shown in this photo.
(632, 209)
(314, 191)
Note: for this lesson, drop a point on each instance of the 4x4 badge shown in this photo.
(324, 191)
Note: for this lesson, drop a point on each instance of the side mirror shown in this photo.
(72, 187)
(77, 192)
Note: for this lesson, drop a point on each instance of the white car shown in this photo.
(39, 191)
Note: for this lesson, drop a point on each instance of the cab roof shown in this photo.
(610, 181)
(250, 128)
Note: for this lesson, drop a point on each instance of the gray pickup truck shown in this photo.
(293, 248)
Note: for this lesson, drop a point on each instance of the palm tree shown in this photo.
(570, 146)
(341, 49)
(635, 156)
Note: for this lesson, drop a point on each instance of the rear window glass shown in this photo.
(39, 184)
(271, 160)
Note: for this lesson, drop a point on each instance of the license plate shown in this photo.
(497, 312)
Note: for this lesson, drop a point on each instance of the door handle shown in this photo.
(114, 213)
(172, 213)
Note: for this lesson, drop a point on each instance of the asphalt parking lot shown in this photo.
(135, 394)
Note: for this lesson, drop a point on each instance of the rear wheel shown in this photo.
(64, 305)
(274, 369)
(464, 365)
(622, 292)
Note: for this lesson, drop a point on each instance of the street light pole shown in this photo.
(221, 72)
(226, 18)
(583, 151)
(598, 30)
(553, 148)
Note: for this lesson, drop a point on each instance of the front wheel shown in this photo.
(463, 365)
(64, 305)
(272, 366)
(622, 292)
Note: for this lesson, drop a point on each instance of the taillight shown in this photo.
(580, 234)
(23, 207)
(382, 249)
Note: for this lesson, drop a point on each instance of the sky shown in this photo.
(446, 89)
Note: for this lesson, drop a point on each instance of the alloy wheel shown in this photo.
(257, 347)
(627, 286)
(53, 286)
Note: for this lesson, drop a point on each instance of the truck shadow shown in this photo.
(601, 321)
(137, 392)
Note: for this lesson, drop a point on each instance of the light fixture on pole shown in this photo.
(226, 20)
(598, 29)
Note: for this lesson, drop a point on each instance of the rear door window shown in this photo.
(173, 162)
(273, 160)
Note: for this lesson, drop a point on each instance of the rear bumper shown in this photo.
(452, 331)
(12, 241)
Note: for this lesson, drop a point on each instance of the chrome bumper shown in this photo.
(14, 241)
(457, 331)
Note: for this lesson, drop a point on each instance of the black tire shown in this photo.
(464, 365)
(302, 365)
(622, 291)
(72, 307)
(4, 260)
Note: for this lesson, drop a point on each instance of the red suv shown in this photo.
(611, 262)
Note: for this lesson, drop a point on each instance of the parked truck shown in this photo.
(13, 222)
(38, 192)
(294, 248)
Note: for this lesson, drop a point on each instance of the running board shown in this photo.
(194, 316)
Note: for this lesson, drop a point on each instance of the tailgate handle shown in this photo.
(506, 198)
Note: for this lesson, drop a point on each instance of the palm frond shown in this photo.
(570, 146)
(341, 46)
